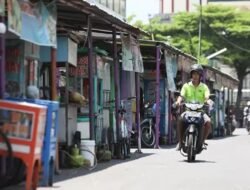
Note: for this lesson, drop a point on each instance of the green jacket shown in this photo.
(190, 93)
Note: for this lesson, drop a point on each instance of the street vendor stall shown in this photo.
(23, 124)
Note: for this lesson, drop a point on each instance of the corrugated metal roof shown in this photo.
(222, 73)
(73, 15)
(166, 46)
(178, 51)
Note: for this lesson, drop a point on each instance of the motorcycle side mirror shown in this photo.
(177, 93)
(212, 96)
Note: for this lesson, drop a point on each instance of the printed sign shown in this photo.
(131, 55)
(16, 124)
(171, 69)
(37, 17)
(14, 17)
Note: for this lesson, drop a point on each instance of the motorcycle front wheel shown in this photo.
(248, 127)
(191, 153)
(148, 137)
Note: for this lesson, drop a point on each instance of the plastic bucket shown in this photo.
(88, 150)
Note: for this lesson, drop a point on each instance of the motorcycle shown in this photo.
(248, 123)
(147, 125)
(230, 123)
(194, 130)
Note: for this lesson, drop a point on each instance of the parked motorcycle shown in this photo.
(148, 137)
(194, 130)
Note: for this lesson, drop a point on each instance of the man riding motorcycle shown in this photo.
(194, 91)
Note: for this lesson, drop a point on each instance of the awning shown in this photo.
(223, 79)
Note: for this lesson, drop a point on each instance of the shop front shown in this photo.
(29, 27)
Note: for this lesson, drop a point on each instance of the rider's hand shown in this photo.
(176, 104)
(210, 102)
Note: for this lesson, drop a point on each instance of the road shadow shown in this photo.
(171, 146)
(77, 172)
(66, 174)
(199, 161)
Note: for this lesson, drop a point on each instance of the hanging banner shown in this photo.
(39, 23)
(14, 17)
(100, 67)
(171, 69)
(127, 56)
(131, 55)
(2, 7)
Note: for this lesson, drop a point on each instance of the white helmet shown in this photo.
(248, 103)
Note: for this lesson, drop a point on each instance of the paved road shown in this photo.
(224, 166)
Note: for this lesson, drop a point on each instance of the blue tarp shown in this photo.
(39, 25)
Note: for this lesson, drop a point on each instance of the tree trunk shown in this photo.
(239, 96)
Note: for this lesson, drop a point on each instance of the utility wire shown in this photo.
(200, 27)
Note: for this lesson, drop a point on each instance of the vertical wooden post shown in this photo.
(91, 79)
(158, 62)
(138, 96)
(2, 62)
(53, 72)
(53, 95)
(117, 83)
(2, 83)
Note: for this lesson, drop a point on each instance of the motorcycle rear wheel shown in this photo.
(148, 140)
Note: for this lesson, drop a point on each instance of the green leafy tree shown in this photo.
(222, 26)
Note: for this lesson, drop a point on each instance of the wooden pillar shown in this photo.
(2, 61)
(91, 80)
(117, 83)
(53, 73)
(138, 96)
(158, 62)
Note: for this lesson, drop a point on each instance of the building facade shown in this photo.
(175, 6)
(118, 6)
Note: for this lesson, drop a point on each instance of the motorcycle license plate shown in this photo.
(194, 114)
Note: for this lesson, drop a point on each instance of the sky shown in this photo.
(142, 8)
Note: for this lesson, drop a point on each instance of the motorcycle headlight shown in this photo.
(192, 119)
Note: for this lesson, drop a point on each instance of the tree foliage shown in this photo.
(222, 27)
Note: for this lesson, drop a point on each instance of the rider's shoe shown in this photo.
(178, 147)
(204, 146)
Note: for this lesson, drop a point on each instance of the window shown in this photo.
(110, 4)
(123, 8)
(117, 6)
(103, 2)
